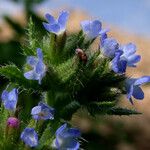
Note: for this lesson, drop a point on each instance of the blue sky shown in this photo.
(130, 15)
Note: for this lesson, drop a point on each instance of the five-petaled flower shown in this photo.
(56, 26)
(39, 68)
(10, 99)
(66, 138)
(29, 137)
(129, 54)
(42, 112)
(109, 46)
(92, 29)
(133, 87)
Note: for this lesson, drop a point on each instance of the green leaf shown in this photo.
(109, 108)
(15, 75)
(122, 111)
(66, 69)
(106, 104)
(100, 107)
(32, 41)
(71, 108)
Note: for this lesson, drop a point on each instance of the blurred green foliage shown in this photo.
(11, 51)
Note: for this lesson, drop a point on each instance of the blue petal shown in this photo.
(4, 95)
(85, 26)
(30, 137)
(102, 39)
(61, 129)
(47, 26)
(43, 112)
(74, 132)
(10, 105)
(31, 75)
(104, 32)
(110, 46)
(13, 95)
(142, 80)
(122, 65)
(73, 145)
(129, 90)
(10, 99)
(129, 49)
(103, 36)
(54, 28)
(133, 59)
(118, 66)
(39, 53)
(62, 20)
(67, 144)
(95, 28)
(31, 60)
(138, 93)
(40, 68)
(48, 114)
(66, 138)
(50, 19)
(129, 83)
(35, 110)
(91, 28)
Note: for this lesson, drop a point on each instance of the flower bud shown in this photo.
(82, 55)
(13, 122)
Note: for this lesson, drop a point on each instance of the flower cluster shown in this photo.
(119, 57)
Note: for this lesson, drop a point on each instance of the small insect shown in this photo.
(82, 55)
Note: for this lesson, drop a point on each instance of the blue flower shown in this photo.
(39, 68)
(92, 29)
(129, 54)
(10, 99)
(42, 112)
(29, 137)
(133, 87)
(118, 65)
(56, 26)
(109, 46)
(66, 138)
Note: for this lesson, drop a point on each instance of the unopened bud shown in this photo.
(82, 55)
(13, 122)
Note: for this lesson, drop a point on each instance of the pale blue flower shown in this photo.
(109, 46)
(92, 29)
(132, 86)
(29, 137)
(56, 26)
(42, 112)
(67, 138)
(38, 67)
(10, 99)
(129, 55)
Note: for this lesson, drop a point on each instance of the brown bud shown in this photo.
(82, 55)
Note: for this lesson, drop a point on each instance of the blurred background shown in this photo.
(128, 21)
